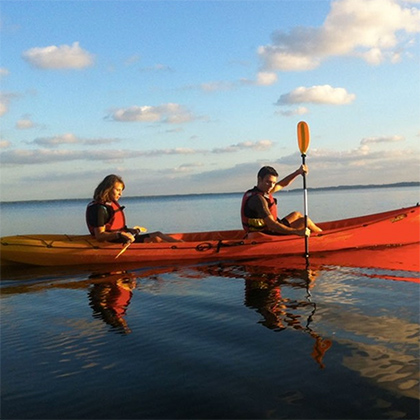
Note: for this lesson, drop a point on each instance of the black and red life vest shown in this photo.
(116, 220)
(253, 223)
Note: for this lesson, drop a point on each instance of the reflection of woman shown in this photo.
(110, 300)
(105, 217)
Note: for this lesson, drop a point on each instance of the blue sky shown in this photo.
(195, 96)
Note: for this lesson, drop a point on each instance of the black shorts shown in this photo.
(284, 222)
(138, 239)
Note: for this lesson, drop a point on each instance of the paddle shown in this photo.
(303, 142)
(140, 230)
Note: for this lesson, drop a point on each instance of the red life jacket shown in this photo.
(116, 221)
(255, 224)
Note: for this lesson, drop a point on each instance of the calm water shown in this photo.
(265, 339)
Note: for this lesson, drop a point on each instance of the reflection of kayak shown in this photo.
(392, 228)
(386, 262)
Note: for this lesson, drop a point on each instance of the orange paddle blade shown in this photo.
(303, 137)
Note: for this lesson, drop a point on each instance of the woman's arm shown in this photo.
(102, 235)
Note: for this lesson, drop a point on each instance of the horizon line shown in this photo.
(337, 187)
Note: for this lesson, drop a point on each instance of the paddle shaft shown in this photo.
(123, 250)
(305, 206)
(140, 230)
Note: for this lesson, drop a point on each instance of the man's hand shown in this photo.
(303, 170)
(304, 232)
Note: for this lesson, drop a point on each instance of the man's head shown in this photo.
(267, 178)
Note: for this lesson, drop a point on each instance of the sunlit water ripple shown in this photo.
(211, 341)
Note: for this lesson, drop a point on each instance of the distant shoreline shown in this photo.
(294, 190)
(359, 187)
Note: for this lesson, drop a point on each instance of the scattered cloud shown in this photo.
(175, 130)
(260, 145)
(135, 58)
(324, 94)
(360, 157)
(69, 138)
(212, 86)
(25, 124)
(62, 57)
(184, 168)
(4, 72)
(157, 68)
(4, 107)
(360, 165)
(384, 139)
(264, 78)
(4, 144)
(5, 99)
(169, 113)
(216, 86)
(374, 30)
(46, 155)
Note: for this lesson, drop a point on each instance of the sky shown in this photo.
(182, 97)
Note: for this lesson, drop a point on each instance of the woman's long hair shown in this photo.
(102, 191)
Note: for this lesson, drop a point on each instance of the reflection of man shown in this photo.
(320, 348)
(279, 312)
(109, 300)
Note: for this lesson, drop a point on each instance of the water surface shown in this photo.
(272, 338)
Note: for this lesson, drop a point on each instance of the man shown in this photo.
(259, 207)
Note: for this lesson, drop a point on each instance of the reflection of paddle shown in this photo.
(140, 230)
(303, 142)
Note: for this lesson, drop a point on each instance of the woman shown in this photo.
(106, 220)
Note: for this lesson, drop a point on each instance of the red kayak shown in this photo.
(387, 229)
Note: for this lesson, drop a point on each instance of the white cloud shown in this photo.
(4, 72)
(361, 156)
(69, 138)
(5, 99)
(62, 57)
(260, 145)
(384, 139)
(212, 86)
(184, 168)
(217, 86)
(325, 94)
(360, 165)
(4, 107)
(277, 59)
(25, 124)
(4, 144)
(170, 113)
(375, 30)
(46, 155)
(56, 140)
(265, 78)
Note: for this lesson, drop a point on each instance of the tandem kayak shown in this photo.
(391, 228)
